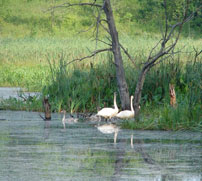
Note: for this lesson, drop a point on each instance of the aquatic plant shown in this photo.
(89, 85)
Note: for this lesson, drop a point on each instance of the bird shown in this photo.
(126, 114)
(109, 129)
(109, 112)
(68, 120)
(93, 118)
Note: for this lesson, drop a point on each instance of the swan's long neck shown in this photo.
(115, 105)
(131, 103)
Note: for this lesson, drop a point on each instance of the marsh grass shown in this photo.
(33, 53)
(165, 117)
(81, 89)
(39, 65)
(90, 88)
(23, 62)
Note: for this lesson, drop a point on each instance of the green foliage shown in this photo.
(30, 19)
(165, 117)
(182, 117)
(85, 86)
(80, 89)
(31, 77)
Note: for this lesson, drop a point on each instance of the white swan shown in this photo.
(109, 129)
(127, 113)
(68, 120)
(109, 112)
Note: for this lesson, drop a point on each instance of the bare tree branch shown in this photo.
(197, 53)
(126, 52)
(105, 28)
(42, 117)
(109, 39)
(104, 42)
(66, 5)
(90, 27)
(89, 56)
(164, 50)
(150, 53)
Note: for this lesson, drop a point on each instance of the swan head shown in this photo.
(63, 111)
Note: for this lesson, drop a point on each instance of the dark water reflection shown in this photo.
(31, 149)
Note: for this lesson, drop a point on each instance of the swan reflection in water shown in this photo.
(109, 129)
(112, 128)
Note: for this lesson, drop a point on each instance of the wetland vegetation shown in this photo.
(35, 47)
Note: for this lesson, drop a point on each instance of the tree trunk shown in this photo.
(138, 91)
(120, 74)
(47, 109)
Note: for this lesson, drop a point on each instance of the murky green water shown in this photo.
(31, 149)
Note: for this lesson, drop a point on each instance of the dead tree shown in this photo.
(172, 95)
(47, 108)
(114, 45)
(163, 49)
(120, 75)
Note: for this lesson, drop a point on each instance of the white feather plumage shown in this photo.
(126, 114)
(109, 112)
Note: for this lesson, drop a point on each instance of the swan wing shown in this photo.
(106, 112)
(125, 114)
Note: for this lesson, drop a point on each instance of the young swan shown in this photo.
(68, 120)
(127, 113)
(109, 129)
(109, 112)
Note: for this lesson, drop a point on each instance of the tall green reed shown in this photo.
(88, 85)
(82, 88)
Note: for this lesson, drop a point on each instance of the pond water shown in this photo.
(15, 92)
(33, 149)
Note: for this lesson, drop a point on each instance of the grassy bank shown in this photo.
(38, 65)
